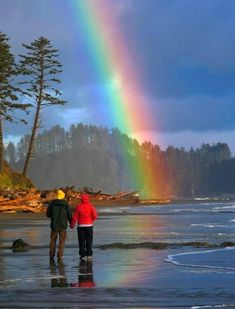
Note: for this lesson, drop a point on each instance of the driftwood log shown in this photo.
(33, 200)
(20, 201)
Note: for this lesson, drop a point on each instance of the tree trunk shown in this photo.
(31, 142)
(1, 147)
(36, 119)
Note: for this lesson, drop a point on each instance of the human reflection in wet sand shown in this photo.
(58, 278)
(85, 275)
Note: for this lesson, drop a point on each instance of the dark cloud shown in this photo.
(197, 113)
(183, 45)
(183, 52)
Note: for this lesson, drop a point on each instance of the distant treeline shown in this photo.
(97, 157)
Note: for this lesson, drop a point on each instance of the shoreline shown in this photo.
(116, 204)
(42, 214)
(177, 260)
(36, 201)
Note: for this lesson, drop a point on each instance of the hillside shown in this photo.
(10, 179)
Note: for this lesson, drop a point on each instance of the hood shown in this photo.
(85, 198)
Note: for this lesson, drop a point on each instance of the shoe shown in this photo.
(89, 257)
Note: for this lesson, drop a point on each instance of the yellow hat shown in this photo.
(60, 194)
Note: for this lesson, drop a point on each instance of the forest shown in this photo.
(99, 158)
(94, 157)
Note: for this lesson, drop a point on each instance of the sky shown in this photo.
(183, 52)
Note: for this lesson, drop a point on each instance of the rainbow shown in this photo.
(115, 64)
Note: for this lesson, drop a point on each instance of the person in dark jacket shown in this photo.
(59, 213)
(85, 214)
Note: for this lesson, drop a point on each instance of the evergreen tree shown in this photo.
(40, 66)
(8, 92)
(105, 160)
(10, 153)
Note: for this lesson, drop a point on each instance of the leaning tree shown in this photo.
(40, 67)
(8, 91)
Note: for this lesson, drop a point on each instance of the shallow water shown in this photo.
(180, 276)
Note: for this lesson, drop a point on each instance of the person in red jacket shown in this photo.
(85, 214)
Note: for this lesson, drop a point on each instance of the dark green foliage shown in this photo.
(40, 68)
(100, 159)
(8, 92)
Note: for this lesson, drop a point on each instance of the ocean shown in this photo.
(156, 256)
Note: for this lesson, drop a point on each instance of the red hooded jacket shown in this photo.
(85, 213)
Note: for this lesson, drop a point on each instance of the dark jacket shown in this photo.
(60, 214)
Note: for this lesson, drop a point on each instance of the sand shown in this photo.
(116, 278)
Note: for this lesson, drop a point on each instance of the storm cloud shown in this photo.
(183, 51)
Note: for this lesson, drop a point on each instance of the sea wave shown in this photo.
(211, 225)
(189, 259)
(215, 306)
(225, 207)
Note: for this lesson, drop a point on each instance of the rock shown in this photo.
(162, 245)
(227, 244)
(20, 246)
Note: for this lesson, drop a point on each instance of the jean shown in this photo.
(62, 237)
(85, 240)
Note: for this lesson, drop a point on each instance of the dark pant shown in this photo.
(85, 239)
(62, 237)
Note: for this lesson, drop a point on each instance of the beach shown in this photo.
(156, 256)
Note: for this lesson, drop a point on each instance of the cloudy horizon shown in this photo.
(184, 53)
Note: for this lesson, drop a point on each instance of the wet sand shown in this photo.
(116, 278)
